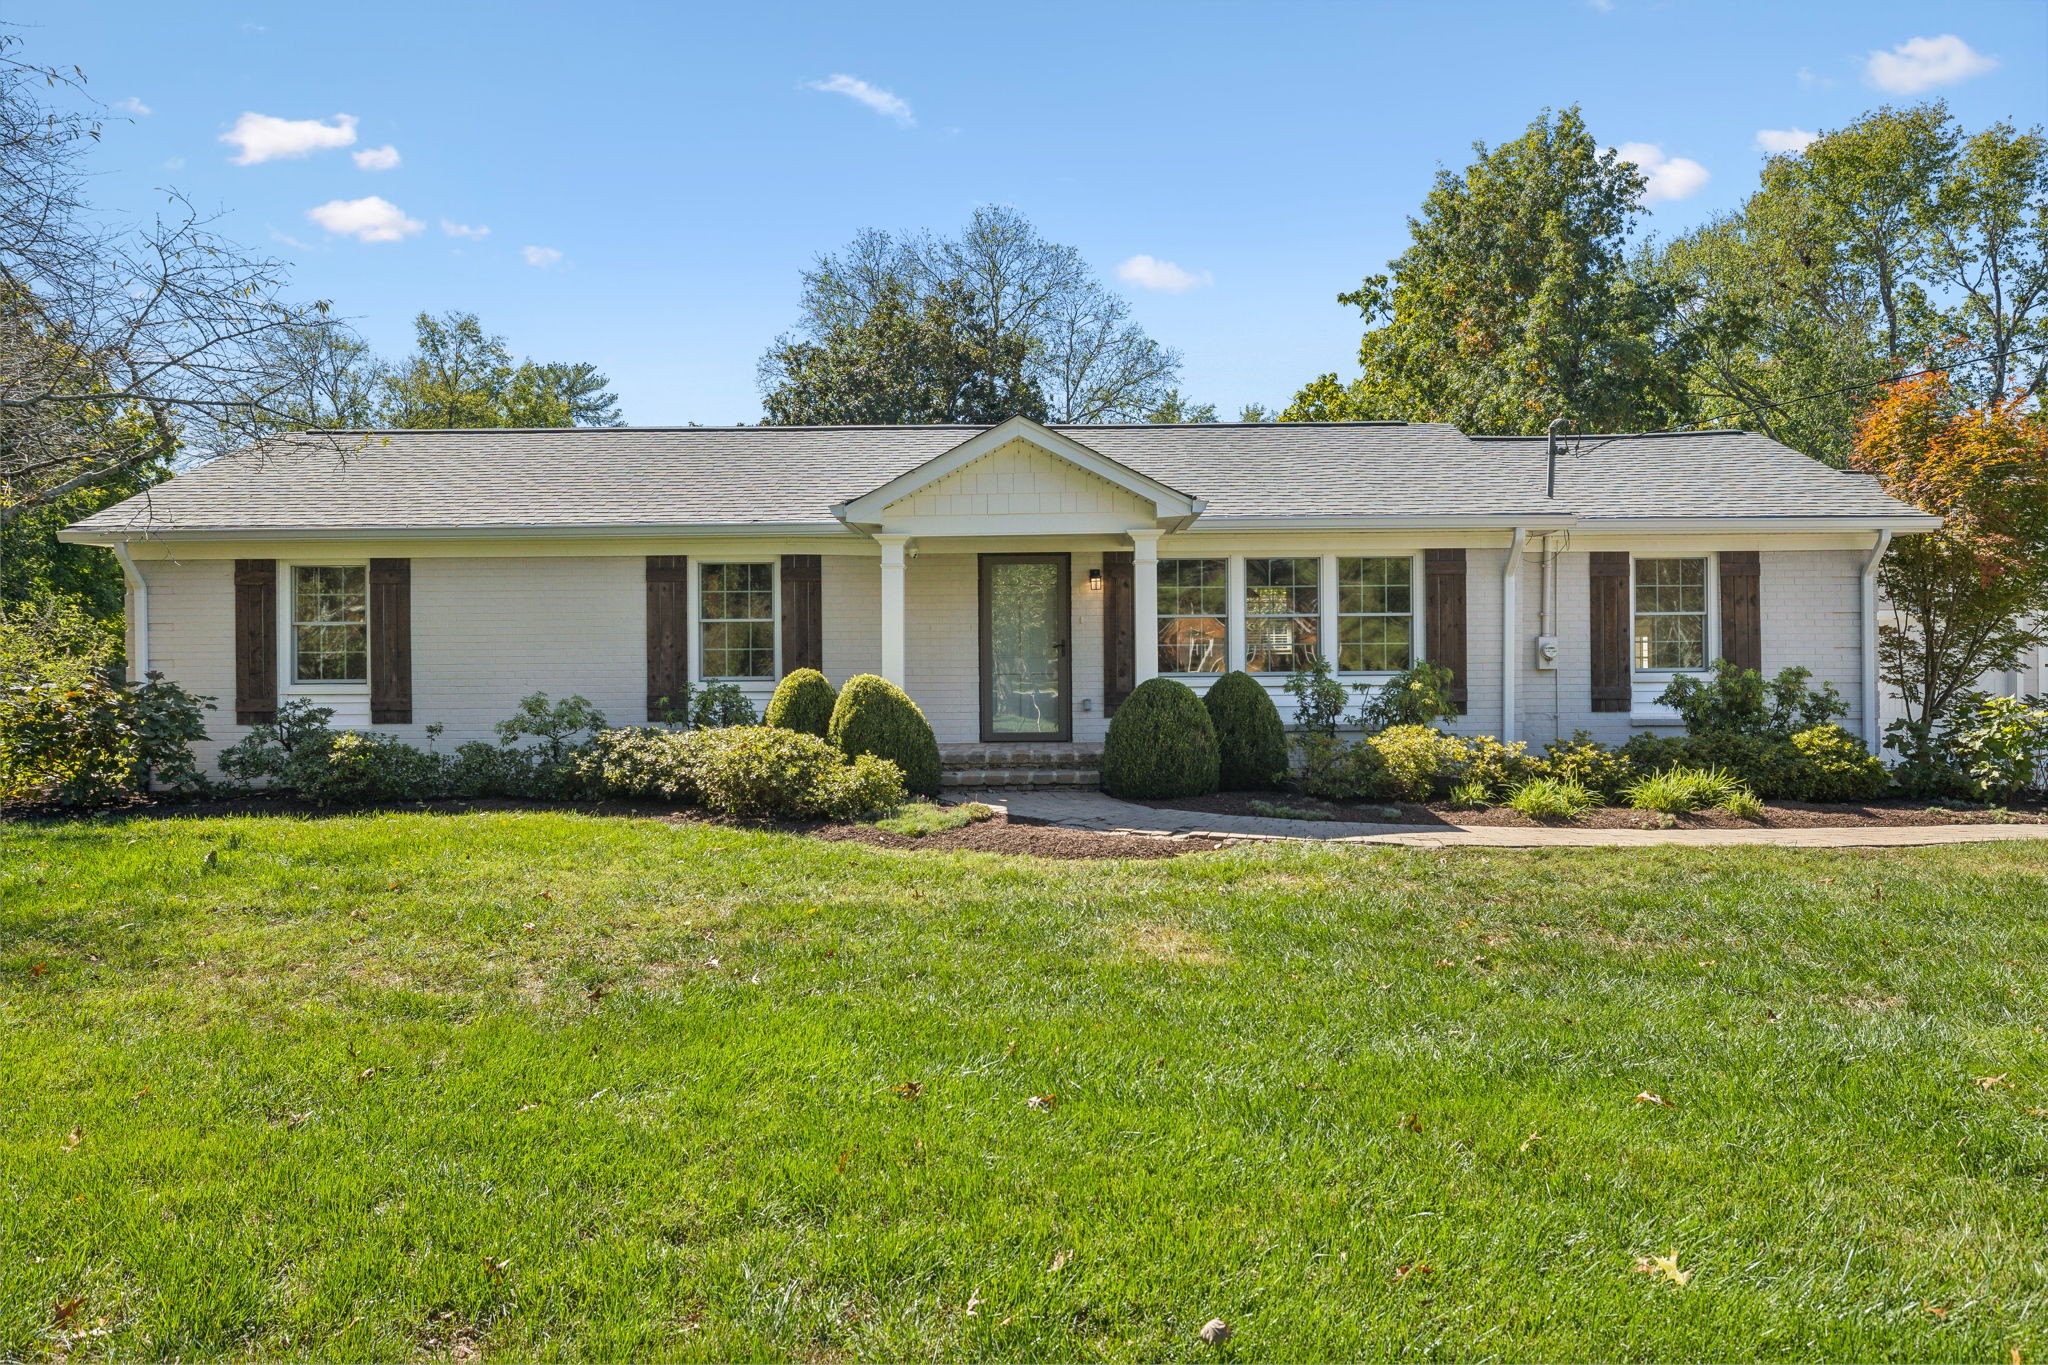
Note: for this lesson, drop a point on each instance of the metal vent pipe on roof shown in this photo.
(1557, 425)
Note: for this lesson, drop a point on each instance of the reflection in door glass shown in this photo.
(1026, 644)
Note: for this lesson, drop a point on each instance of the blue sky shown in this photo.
(654, 176)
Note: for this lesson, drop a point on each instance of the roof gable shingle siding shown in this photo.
(740, 477)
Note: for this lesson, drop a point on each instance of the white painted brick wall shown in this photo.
(851, 599)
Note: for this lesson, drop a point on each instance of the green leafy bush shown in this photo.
(720, 706)
(480, 768)
(2001, 745)
(1769, 767)
(1420, 762)
(1677, 791)
(354, 769)
(1928, 768)
(1838, 766)
(875, 716)
(56, 642)
(1336, 771)
(554, 724)
(92, 743)
(1553, 798)
(1161, 744)
(1648, 753)
(759, 772)
(1251, 743)
(1421, 695)
(637, 765)
(1319, 699)
(1589, 763)
(803, 701)
(1738, 701)
(1492, 766)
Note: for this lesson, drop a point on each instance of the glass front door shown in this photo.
(1025, 664)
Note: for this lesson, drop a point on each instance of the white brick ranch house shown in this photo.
(1017, 580)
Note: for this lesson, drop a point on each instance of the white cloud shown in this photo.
(874, 97)
(1923, 63)
(541, 255)
(1809, 79)
(134, 106)
(383, 158)
(1673, 177)
(369, 219)
(455, 229)
(1149, 272)
(263, 138)
(1778, 141)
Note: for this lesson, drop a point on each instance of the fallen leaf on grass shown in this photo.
(1650, 1097)
(1059, 1262)
(528, 1107)
(1411, 1122)
(1215, 1331)
(496, 1269)
(1047, 1103)
(1530, 1141)
(1309, 1085)
(974, 1304)
(367, 1072)
(910, 1090)
(77, 1136)
(1937, 1310)
(1998, 1082)
(1667, 1266)
(594, 994)
(39, 969)
(2038, 1113)
(292, 1121)
(67, 1309)
(1404, 1273)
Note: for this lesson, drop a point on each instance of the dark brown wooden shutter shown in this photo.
(1611, 681)
(1443, 629)
(1119, 629)
(391, 642)
(668, 633)
(803, 613)
(255, 641)
(1742, 621)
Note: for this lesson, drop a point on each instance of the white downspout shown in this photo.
(138, 654)
(1873, 724)
(1510, 634)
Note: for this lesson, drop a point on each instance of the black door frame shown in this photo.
(1065, 564)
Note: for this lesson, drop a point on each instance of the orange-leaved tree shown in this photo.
(1972, 596)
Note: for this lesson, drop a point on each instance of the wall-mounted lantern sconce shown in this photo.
(1095, 580)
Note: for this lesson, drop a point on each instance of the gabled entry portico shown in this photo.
(1022, 496)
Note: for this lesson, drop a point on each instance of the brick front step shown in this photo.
(1013, 757)
(975, 778)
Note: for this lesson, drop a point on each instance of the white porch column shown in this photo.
(1145, 602)
(892, 608)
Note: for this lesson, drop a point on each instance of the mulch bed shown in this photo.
(1777, 814)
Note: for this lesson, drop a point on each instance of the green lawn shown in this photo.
(563, 1086)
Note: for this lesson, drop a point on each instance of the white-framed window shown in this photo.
(736, 621)
(1194, 615)
(1375, 613)
(328, 613)
(1673, 610)
(1282, 613)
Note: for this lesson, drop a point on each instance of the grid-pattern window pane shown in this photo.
(736, 620)
(1194, 607)
(1281, 618)
(1671, 613)
(330, 623)
(1375, 614)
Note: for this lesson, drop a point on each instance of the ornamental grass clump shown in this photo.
(875, 716)
(1251, 743)
(1552, 798)
(1680, 791)
(1161, 743)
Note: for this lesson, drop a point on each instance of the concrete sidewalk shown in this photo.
(1092, 810)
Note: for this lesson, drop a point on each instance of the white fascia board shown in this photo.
(1536, 525)
(75, 536)
(1905, 523)
(866, 510)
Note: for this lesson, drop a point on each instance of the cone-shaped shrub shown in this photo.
(875, 716)
(803, 702)
(1251, 743)
(1161, 743)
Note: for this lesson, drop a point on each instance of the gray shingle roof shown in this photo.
(494, 480)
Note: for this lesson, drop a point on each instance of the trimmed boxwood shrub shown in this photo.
(875, 716)
(803, 701)
(757, 771)
(1251, 743)
(1161, 744)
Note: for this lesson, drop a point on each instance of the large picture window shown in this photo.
(1194, 603)
(1280, 614)
(1375, 614)
(330, 623)
(736, 620)
(1671, 613)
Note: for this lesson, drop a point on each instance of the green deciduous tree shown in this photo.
(462, 376)
(1515, 302)
(1174, 410)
